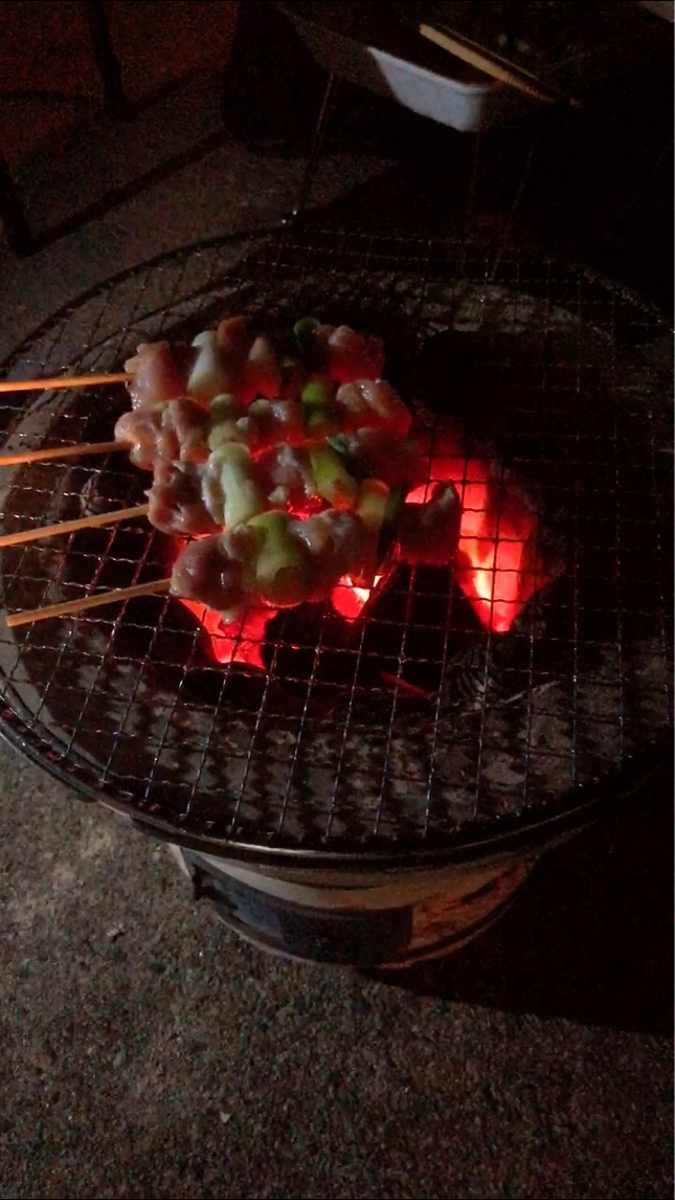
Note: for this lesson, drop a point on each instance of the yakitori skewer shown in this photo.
(63, 381)
(68, 608)
(59, 452)
(92, 522)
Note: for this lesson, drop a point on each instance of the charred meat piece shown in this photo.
(227, 359)
(288, 480)
(160, 373)
(141, 430)
(262, 373)
(371, 404)
(259, 425)
(275, 560)
(379, 454)
(176, 431)
(231, 360)
(175, 500)
(216, 570)
(429, 533)
(350, 355)
(190, 423)
(339, 543)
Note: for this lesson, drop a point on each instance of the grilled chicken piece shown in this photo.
(176, 503)
(350, 355)
(274, 560)
(176, 431)
(429, 533)
(160, 373)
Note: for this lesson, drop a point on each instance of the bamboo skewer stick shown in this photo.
(46, 531)
(476, 58)
(63, 381)
(29, 456)
(69, 608)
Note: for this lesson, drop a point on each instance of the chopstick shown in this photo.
(476, 57)
(62, 381)
(29, 456)
(69, 608)
(46, 531)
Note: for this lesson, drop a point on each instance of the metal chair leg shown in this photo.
(12, 213)
(316, 147)
(106, 60)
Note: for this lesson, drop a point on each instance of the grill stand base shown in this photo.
(392, 925)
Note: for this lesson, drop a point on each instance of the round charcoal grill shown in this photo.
(412, 739)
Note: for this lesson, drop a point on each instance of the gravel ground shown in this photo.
(149, 1053)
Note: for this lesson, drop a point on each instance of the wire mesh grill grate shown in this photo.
(415, 724)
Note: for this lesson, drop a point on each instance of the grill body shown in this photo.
(386, 919)
(312, 803)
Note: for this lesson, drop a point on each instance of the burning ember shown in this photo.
(349, 600)
(496, 564)
(239, 641)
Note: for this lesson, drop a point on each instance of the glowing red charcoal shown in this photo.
(495, 548)
(496, 564)
(242, 640)
(239, 641)
(349, 600)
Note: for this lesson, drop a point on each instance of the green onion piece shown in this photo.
(392, 514)
(318, 392)
(212, 495)
(224, 412)
(224, 408)
(305, 326)
(372, 504)
(243, 497)
(318, 407)
(318, 422)
(371, 508)
(344, 445)
(331, 478)
(283, 569)
(312, 352)
(341, 443)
